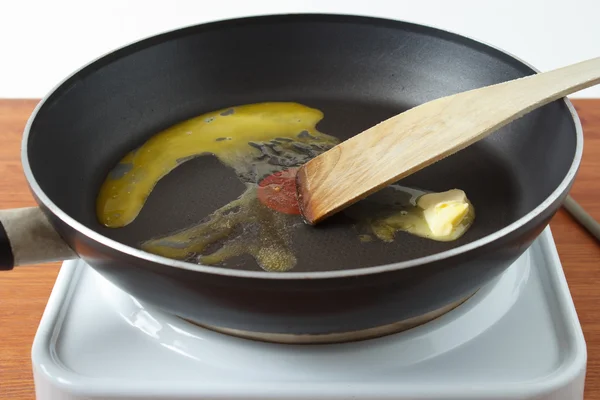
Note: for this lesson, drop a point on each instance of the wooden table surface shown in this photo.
(25, 290)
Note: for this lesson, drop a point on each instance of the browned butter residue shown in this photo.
(254, 140)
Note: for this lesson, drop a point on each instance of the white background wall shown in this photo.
(43, 41)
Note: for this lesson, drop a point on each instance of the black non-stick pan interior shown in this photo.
(358, 71)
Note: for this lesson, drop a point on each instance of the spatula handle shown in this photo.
(516, 98)
(423, 135)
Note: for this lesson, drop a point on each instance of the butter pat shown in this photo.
(444, 211)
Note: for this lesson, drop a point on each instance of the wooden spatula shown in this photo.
(408, 142)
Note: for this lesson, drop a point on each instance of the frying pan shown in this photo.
(357, 71)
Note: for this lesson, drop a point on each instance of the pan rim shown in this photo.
(348, 273)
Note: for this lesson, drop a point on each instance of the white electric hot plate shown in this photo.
(517, 338)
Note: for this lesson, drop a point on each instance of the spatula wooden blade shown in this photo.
(421, 136)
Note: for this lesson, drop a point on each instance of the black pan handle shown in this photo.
(27, 238)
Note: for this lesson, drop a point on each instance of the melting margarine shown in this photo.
(258, 141)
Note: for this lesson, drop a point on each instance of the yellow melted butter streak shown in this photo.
(224, 133)
(265, 233)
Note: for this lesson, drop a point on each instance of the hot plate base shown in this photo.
(517, 338)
